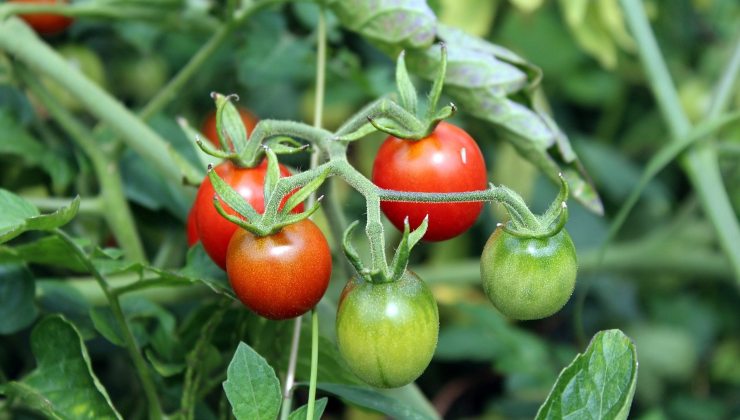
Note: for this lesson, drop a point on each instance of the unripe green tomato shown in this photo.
(528, 278)
(140, 78)
(387, 332)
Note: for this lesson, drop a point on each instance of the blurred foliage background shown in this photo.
(663, 280)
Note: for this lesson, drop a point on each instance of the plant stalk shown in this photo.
(700, 162)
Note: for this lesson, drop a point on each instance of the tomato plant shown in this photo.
(387, 332)
(528, 278)
(448, 160)
(46, 23)
(210, 130)
(213, 230)
(282, 275)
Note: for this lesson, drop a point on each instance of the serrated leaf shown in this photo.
(376, 400)
(301, 412)
(17, 289)
(62, 359)
(19, 216)
(598, 384)
(251, 386)
(396, 23)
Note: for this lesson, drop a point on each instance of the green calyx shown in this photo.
(236, 143)
(402, 119)
(524, 224)
(275, 216)
(400, 258)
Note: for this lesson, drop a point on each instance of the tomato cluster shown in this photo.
(387, 327)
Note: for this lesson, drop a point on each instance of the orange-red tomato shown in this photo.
(211, 132)
(45, 23)
(448, 160)
(213, 230)
(192, 228)
(283, 275)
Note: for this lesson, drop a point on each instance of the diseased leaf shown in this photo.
(62, 360)
(17, 307)
(251, 386)
(598, 384)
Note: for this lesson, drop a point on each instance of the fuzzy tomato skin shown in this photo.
(528, 278)
(448, 160)
(211, 132)
(283, 275)
(387, 332)
(213, 230)
(45, 23)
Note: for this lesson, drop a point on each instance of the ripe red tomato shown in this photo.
(282, 275)
(213, 230)
(192, 228)
(209, 124)
(45, 23)
(448, 160)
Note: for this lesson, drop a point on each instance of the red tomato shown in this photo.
(192, 228)
(282, 275)
(448, 160)
(45, 23)
(209, 124)
(213, 230)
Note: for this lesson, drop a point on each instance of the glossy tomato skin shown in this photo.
(213, 230)
(211, 132)
(283, 275)
(448, 160)
(387, 332)
(528, 278)
(191, 228)
(46, 23)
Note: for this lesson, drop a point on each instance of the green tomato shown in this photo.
(387, 332)
(528, 278)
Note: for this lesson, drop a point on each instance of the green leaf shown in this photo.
(398, 24)
(19, 216)
(598, 384)
(63, 385)
(251, 386)
(383, 402)
(34, 153)
(301, 412)
(50, 250)
(302, 194)
(17, 289)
